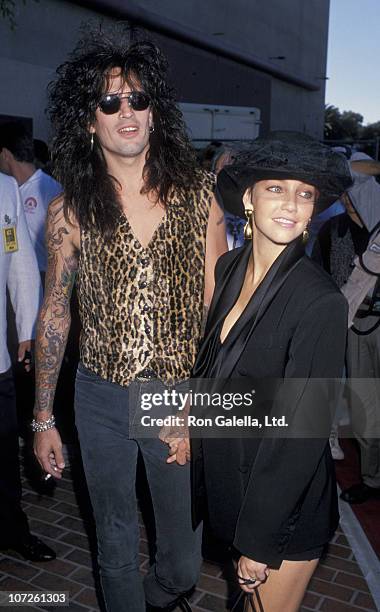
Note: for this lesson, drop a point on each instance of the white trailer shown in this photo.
(207, 122)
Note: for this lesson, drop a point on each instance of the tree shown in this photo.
(340, 126)
(333, 128)
(372, 130)
(352, 124)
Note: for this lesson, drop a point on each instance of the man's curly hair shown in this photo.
(90, 192)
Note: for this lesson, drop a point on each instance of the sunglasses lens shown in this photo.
(110, 104)
(139, 101)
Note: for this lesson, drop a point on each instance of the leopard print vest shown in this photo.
(142, 307)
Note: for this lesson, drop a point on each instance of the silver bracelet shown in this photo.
(38, 426)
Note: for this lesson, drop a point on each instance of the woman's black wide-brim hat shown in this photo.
(285, 155)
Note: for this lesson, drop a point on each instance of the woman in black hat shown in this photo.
(275, 314)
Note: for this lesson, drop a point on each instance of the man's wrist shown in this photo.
(43, 424)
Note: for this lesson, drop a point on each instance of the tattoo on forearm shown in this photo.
(54, 318)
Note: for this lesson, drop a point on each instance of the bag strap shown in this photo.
(249, 603)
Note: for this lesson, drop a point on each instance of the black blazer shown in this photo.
(274, 496)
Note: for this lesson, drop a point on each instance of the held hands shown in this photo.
(48, 450)
(177, 439)
(251, 574)
(179, 451)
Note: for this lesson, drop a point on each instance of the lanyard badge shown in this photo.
(10, 239)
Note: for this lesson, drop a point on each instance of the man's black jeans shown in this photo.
(13, 521)
(110, 457)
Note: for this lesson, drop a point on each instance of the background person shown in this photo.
(18, 273)
(37, 188)
(234, 225)
(341, 241)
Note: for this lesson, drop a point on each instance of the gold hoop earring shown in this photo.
(92, 142)
(248, 228)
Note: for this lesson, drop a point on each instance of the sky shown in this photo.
(353, 62)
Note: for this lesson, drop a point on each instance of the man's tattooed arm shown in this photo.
(54, 317)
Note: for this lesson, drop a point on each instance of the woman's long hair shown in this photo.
(90, 192)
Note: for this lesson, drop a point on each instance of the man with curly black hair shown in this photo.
(139, 228)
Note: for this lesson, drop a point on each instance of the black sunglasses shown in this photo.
(111, 103)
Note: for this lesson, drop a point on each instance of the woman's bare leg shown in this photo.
(284, 589)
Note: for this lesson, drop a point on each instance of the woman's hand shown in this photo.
(250, 570)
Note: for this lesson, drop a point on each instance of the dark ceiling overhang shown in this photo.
(129, 10)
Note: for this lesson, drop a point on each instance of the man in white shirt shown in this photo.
(18, 272)
(36, 187)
